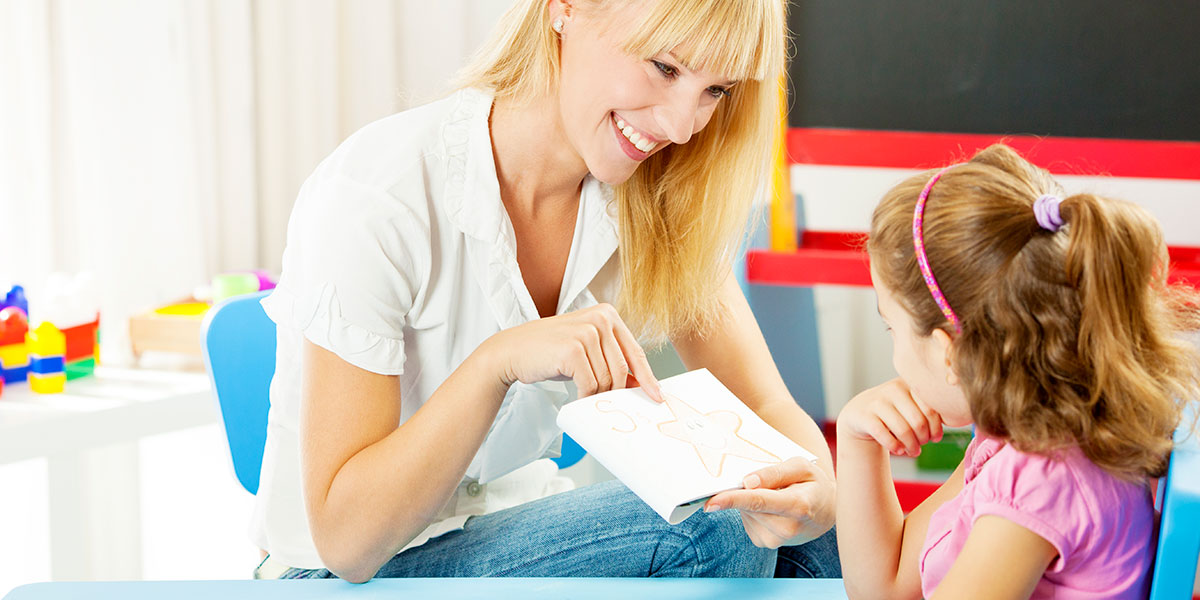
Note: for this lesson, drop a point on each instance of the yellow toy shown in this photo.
(47, 348)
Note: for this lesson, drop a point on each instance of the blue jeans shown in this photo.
(603, 530)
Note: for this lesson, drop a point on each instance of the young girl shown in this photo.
(1047, 323)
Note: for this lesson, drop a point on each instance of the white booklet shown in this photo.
(675, 455)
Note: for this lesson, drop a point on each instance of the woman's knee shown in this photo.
(723, 549)
(816, 559)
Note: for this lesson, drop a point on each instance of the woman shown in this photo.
(450, 267)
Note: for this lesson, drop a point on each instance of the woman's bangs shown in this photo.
(730, 38)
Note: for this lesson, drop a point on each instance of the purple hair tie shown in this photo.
(1045, 209)
(919, 250)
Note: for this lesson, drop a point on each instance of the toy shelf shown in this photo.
(839, 258)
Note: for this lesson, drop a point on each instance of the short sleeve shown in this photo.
(354, 261)
(1038, 493)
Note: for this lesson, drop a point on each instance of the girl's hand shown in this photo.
(782, 505)
(891, 416)
(592, 347)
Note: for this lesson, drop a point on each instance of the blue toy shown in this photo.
(16, 297)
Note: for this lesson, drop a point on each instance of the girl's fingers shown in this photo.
(935, 426)
(883, 436)
(916, 418)
(932, 417)
(899, 427)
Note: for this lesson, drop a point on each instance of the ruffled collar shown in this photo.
(981, 449)
(473, 205)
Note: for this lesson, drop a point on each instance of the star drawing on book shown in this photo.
(712, 435)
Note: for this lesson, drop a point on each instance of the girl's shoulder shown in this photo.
(1065, 473)
(1095, 520)
(1064, 497)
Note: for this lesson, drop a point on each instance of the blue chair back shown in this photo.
(1179, 531)
(238, 342)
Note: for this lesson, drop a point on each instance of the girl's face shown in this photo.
(617, 109)
(922, 362)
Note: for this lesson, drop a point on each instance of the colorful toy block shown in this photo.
(172, 328)
(228, 285)
(47, 384)
(47, 350)
(18, 374)
(14, 357)
(16, 297)
(13, 325)
(47, 366)
(82, 349)
(80, 368)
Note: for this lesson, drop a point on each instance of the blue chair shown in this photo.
(238, 342)
(1179, 531)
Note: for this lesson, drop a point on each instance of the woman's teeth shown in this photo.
(634, 137)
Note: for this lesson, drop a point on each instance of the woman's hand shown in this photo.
(890, 415)
(591, 346)
(783, 505)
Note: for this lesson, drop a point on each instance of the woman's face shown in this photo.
(617, 109)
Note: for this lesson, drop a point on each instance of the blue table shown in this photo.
(483, 589)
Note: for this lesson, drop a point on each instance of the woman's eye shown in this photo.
(667, 70)
(718, 92)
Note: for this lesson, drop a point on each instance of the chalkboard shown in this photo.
(1078, 68)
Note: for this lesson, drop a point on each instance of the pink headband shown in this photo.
(919, 249)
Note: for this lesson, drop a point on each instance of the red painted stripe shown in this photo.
(1060, 155)
(837, 258)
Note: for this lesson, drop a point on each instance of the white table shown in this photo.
(89, 437)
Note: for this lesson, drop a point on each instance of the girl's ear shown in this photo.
(942, 344)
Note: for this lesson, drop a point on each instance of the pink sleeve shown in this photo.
(1039, 494)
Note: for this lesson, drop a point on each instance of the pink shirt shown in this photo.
(1103, 527)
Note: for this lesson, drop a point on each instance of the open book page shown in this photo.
(700, 441)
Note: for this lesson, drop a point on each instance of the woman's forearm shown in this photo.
(869, 520)
(390, 491)
(787, 417)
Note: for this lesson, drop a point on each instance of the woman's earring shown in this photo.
(558, 25)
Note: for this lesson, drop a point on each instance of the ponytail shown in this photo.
(1116, 262)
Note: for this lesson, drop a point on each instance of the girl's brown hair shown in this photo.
(1068, 338)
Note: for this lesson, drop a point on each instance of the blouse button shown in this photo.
(473, 488)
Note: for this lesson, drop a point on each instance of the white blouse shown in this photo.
(401, 259)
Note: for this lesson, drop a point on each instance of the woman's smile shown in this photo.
(636, 144)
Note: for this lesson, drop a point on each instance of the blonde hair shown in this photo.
(1068, 338)
(684, 212)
